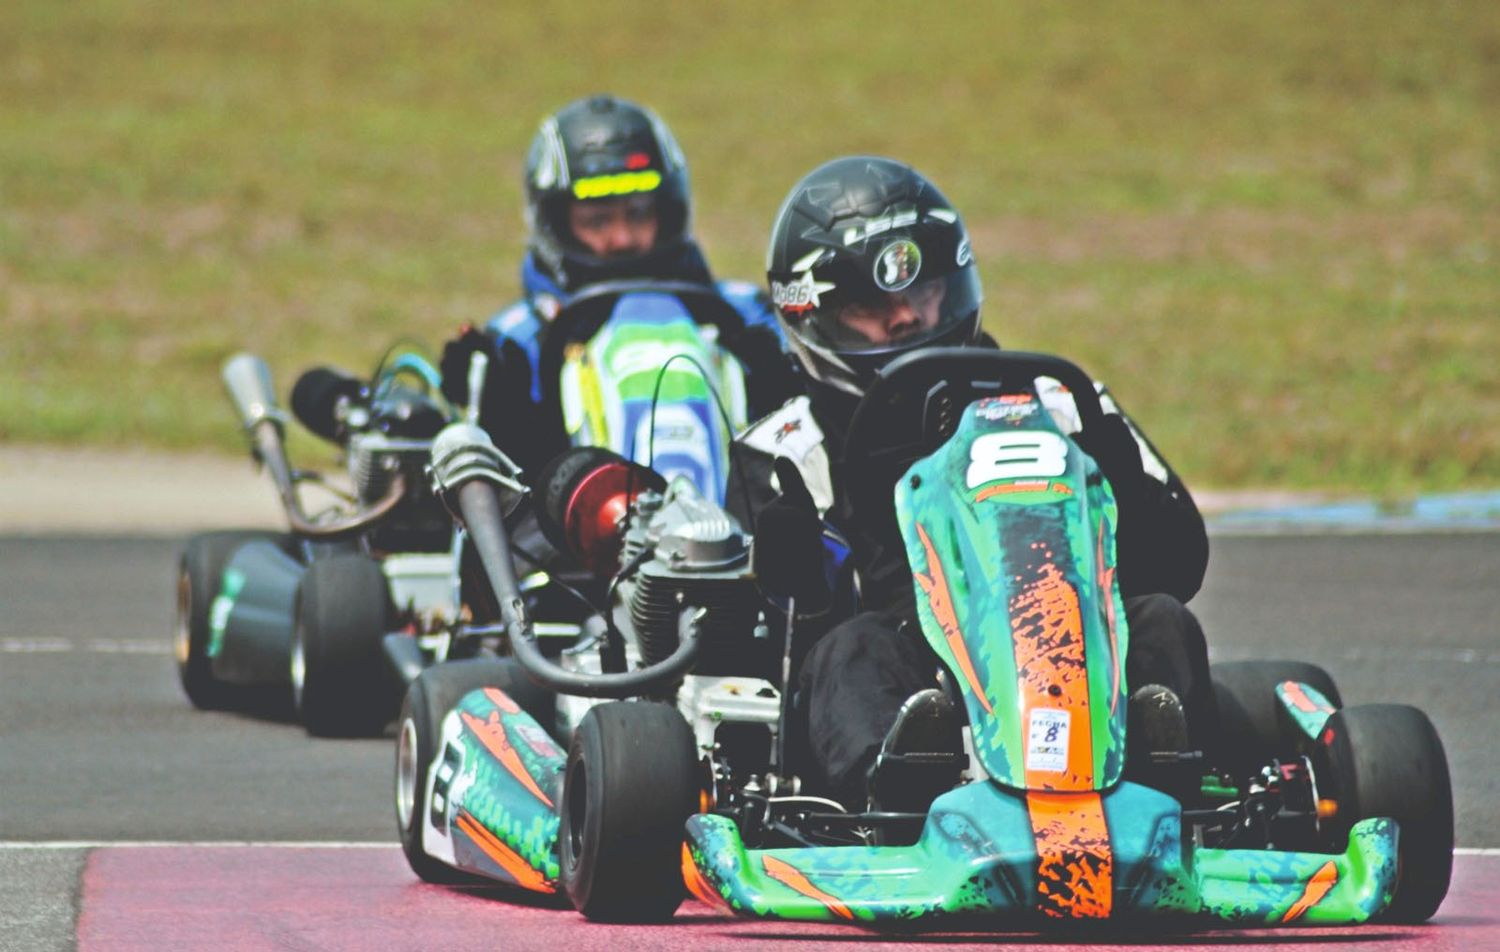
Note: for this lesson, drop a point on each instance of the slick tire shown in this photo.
(341, 683)
(632, 781)
(419, 739)
(200, 571)
(1386, 760)
(1253, 729)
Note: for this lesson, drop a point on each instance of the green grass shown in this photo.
(1272, 228)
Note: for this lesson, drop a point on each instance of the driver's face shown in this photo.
(897, 315)
(610, 227)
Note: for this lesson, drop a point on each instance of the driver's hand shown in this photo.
(454, 365)
(787, 555)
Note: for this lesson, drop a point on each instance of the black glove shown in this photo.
(787, 556)
(455, 363)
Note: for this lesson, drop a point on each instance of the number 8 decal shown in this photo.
(1018, 454)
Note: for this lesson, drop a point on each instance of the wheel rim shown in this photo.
(182, 633)
(299, 666)
(406, 773)
(578, 803)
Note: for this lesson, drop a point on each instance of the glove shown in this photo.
(455, 362)
(787, 556)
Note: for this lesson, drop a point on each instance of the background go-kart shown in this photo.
(1271, 227)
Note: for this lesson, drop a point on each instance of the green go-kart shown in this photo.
(1316, 813)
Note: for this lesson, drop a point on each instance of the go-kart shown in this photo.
(263, 617)
(510, 770)
(349, 605)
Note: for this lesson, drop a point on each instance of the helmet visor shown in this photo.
(880, 321)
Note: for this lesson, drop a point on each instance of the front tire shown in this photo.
(1386, 760)
(632, 781)
(341, 682)
(419, 738)
(1253, 729)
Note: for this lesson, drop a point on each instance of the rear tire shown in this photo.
(419, 736)
(341, 682)
(200, 572)
(1253, 729)
(1386, 760)
(632, 781)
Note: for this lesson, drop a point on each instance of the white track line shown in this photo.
(137, 646)
(342, 845)
(169, 844)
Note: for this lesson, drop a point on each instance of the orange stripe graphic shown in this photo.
(935, 585)
(1006, 489)
(1047, 629)
(508, 859)
(491, 733)
(790, 875)
(1317, 887)
(1301, 701)
(1031, 486)
(502, 700)
(1075, 865)
(699, 885)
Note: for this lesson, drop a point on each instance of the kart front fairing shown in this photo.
(490, 800)
(653, 385)
(1010, 531)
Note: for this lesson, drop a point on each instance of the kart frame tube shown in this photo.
(479, 503)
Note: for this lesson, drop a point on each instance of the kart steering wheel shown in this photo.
(915, 403)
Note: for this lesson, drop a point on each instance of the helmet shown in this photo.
(868, 261)
(604, 147)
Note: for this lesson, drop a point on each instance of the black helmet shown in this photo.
(603, 147)
(867, 261)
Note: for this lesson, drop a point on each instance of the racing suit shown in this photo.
(854, 679)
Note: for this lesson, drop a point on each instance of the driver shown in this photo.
(868, 261)
(607, 199)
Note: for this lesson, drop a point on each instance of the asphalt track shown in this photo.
(126, 818)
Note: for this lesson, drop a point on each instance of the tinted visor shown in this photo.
(875, 321)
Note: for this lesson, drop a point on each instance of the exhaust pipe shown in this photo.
(248, 380)
(466, 465)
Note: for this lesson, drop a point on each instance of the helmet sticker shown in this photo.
(620, 183)
(897, 265)
(552, 167)
(800, 295)
(812, 259)
(876, 226)
(965, 253)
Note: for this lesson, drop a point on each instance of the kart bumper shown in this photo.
(987, 851)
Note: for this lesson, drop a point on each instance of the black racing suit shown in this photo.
(854, 679)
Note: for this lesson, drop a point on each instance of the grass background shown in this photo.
(1272, 228)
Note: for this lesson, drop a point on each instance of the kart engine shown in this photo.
(393, 434)
(695, 569)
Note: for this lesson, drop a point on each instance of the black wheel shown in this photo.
(341, 682)
(1386, 760)
(1253, 729)
(632, 782)
(419, 732)
(200, 571)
